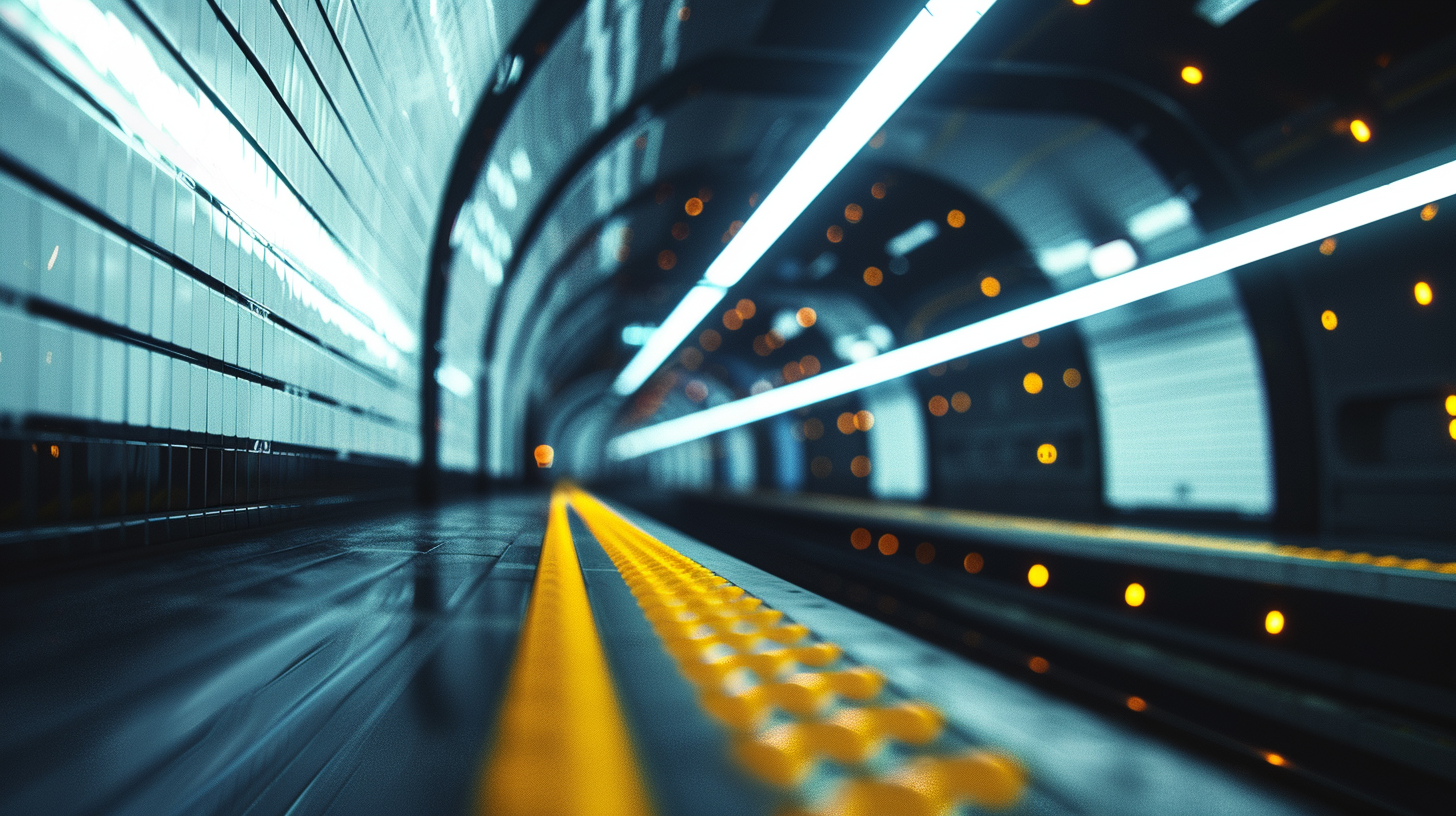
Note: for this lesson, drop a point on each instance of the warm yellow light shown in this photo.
(1137, 704)
(973, 563)
(1275, 759)
(1451, 429)
(806, 317)
(990, 287)
(835, 234)
(1329, 320)
(1327, 246)
(1429, 211)
(853, 213)
(860, 466)
(1071, 378)
(1360, 130)
(1080, 2)
(1038, 665)
(889, 544)
(960, 401)
(732, 320)
(1031, 340)
(860, 539)
(1032, 383)
(694, 206)
(55, 451)
(1135, 595)
(746, 308)
(1274, 622)
(873, 276)
(938, 406)
(864, 420)
(1191, 75)
(666, 259)
(956, 219)
(1038, 576)
(1424, 293)
(1046, 454)
(878, 189)
(845, 423)
(1451, 405)
(544, 456)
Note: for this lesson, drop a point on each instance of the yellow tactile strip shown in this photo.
(1118, 533)
(796, 728)
(562, 745)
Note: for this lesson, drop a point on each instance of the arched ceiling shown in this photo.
(1036, 122)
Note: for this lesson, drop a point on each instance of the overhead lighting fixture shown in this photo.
(1218, 12)
(1212, 259)
(1112, 258)
(912, 239)
(936, 30)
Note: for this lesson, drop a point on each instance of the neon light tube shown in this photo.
(1190, 267)
(937, 29)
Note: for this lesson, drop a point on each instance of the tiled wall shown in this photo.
(214, 223)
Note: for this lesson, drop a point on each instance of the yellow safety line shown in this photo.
(1039, 526)
(562, 747)
(748, 666)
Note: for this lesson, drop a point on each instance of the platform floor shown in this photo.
(359, 667)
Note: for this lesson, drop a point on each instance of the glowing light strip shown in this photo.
(1205, 262)
(560, 717)
(937, 29)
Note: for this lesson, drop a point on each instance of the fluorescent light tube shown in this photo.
(937, 29)
(1211, 259)
(912, 239)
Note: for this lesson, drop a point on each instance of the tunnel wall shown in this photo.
(213, 246)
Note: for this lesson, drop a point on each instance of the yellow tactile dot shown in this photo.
(932, 786)
(780, 755)
(849, 737)
(859, 683)
(803, 694)
(915, 723)
(986, 778)
(820, 654)
(867, 797)
(744, 712)
(787, 634)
